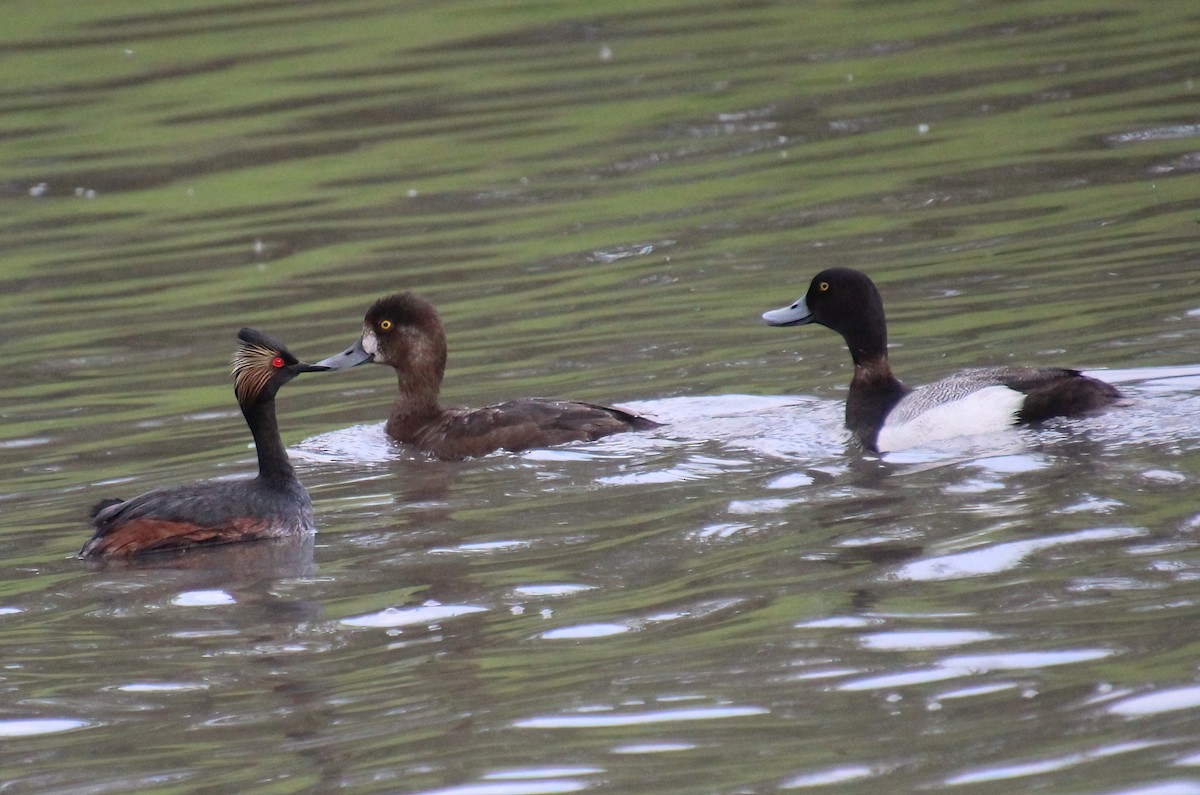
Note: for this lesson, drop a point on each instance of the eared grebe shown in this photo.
(404, 332)
(272, 505)
(884, 414)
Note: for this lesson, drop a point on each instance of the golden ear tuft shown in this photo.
(253, 366)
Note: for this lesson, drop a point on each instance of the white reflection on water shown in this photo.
(924, 639)
(1023, 660)
(30, 727)
(1162, 701)
(1160, 788)
(480, 546)
(429, 613)
(604, 629)
(597, 720)
(1042, 766)
(974, 665)
(538, 787)
(1001, 557)
(976, 691)
(1174, 378)
(361, 444)
(906, 679)
(824, 778)
(839, 622)
(209, 598)
(162, 687)
(543, 772)
(696, 610)
(565, 589)
(653, 748)
(584, 631)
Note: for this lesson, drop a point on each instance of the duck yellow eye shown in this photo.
(385, 325)
(823, 287)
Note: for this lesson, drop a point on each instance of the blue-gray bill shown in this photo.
(795, 315)
(351, 357)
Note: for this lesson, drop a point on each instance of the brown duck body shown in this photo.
(404, 332)
(272, 505)
(456, 433)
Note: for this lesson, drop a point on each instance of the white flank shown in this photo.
(987, 410)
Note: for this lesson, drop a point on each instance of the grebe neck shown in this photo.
(273, 464)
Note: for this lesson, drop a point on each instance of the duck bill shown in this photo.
(351, 357)
(795, 315)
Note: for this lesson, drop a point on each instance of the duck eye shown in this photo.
(278, 362)
(823, 287)
(385, 325)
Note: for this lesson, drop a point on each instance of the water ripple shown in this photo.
(996, 558)
(431, 613)
(30, 727)
(975, 665)
(1169, 700)
(594, 720)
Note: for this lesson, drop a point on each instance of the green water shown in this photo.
(601, 201)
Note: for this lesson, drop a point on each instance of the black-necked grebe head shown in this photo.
(261, 365)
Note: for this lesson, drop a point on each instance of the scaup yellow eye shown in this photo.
(385, 325)
(823, 287)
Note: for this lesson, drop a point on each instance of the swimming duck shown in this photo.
(404, 332)
(272, 505)
(884, 414)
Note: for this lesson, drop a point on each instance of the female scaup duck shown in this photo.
(884, 414)
(403, 331)
(272, 505)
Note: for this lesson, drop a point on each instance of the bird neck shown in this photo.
(419, 385)
(874, 392)
(273, 464)
(868, 346)
(865, 332)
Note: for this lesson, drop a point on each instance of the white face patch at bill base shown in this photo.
(370, 342)
(986, 410)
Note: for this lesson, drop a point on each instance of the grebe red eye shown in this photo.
(277, 362)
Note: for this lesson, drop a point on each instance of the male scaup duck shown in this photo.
(403, 331)
(272, 505)
(884, 414)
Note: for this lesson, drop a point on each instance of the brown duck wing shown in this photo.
(524, 424)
